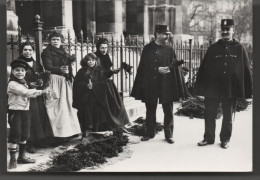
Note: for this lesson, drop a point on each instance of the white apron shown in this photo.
(63, 117)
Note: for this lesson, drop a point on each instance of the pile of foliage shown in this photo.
(87, 155)
(139, 127)
(194, 107)
(242, 104)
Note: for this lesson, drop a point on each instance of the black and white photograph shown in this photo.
(129, 86)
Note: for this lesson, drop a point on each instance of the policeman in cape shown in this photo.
(223, 76)
(159, 80)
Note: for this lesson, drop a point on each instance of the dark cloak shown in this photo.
(227, 57)
(104, 93)
(149, 84)
(105, 60)
(40, 123)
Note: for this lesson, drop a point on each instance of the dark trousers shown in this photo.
(211, 108)
(19, 122)
(151, 119)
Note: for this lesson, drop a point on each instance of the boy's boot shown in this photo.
(22, 159)
(13, 162)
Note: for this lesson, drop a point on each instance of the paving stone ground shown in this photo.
(184, 155)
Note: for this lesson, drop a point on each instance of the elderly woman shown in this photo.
(40, 124)
(62, 116)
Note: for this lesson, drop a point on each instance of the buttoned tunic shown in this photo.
(225, 72)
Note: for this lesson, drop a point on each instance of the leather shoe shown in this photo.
(224, 144)
(145, 138)
(169, 140)
(204, 143)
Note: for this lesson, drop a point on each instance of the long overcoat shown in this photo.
(149, 84)
(225, 72)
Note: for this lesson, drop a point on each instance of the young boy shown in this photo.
(18, 111)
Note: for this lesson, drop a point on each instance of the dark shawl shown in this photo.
(53, 58)
(105, 60)
(104, 91)
(32, 72)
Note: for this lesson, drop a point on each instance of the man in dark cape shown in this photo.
(158, 77)
(223, 77)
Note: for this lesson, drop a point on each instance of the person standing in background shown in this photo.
(102, 54)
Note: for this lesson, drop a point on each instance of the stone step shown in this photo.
(134, 108)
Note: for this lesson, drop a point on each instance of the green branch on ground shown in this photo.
(139, 128)
(195, 108)
(85, 155)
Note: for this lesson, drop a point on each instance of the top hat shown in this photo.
(19, 63)
(161, 29)
(227, 23)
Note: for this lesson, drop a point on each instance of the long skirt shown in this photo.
(40, 123)
(63, 117)
(91, 115)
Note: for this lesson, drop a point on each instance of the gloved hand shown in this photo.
(116, 71)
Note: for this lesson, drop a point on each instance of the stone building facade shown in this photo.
(116, 17)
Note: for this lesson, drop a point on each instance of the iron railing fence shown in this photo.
(126, 50)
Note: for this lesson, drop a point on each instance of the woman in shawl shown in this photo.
(40, 124)
(102, 49)
(99, 105)
(63, 117)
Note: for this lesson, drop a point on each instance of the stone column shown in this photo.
(92, 21)
(77, 18)
(178, 20)
(67, 18)
(146, 21)
(118, 24)
(89, 17)
(181, 24)
(12, 18)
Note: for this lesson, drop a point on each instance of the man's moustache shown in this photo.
(225, 34)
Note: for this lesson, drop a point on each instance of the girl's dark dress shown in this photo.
(101, 107)
(40, 124)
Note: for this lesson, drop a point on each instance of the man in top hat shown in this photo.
(223, 77)
(158, 78)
